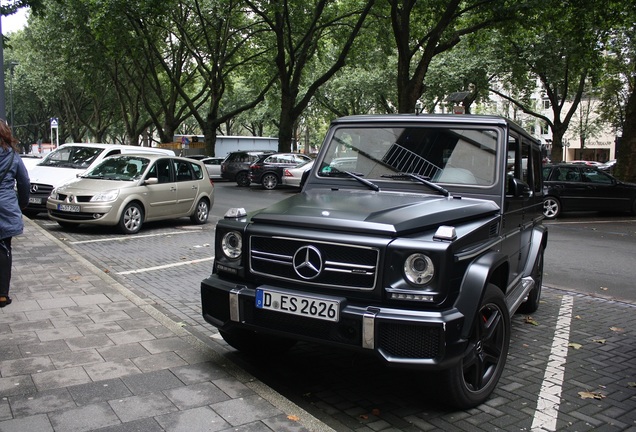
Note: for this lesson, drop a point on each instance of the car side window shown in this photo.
(570, 174)
(594, 176)
(196, 169)
(182, 169)
(161, 171)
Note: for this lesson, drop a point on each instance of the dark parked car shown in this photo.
(268, 169)
(412, 239)
(579, 187)
(236, 166)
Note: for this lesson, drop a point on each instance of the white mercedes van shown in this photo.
(67, 162)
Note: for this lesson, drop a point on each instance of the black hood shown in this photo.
(387, 213)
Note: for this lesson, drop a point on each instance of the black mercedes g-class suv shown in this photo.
(415, 237)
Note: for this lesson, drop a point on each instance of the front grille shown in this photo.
(332, 265)
(41, 190)
(75, 198)
(410, 341)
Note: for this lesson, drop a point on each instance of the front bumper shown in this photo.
(401, 337)
(90, 213)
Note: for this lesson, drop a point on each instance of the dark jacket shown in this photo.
(10, 203)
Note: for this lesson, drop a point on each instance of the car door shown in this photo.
(603, 192)
(187, 186)
(567, 184)
(513, 207)
(162, 196)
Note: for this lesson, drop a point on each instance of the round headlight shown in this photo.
(419, 269)
(232, 243)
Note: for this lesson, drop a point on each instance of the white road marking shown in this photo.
(129, 237)
(165, 266)
(545, 417)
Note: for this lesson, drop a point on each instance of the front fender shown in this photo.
(474, 284)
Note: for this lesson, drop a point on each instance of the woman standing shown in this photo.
(12, 172)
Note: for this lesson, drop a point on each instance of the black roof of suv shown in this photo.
(236, 166)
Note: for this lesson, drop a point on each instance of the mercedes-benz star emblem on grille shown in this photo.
(308, 262)
(34, 188)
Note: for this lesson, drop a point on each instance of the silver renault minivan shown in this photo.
(128, 190)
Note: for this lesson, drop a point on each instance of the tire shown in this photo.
(473, 379)
(243, 179)
(269, 181)
(534, 296)
(201, 212)
(551, 207)
(131, 219)
(68, 225)
(256, 344)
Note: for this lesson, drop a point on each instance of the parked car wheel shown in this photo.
(131, 219)
(473, 379)
(551, 207)
(256, 344)
(243, 179)
(269, 181)
(534, 296)
(201, 213)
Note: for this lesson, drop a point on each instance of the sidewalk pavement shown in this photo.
(79, 351)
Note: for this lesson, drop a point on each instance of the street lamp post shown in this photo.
(12, 66)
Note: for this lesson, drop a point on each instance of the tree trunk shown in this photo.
(626, 165)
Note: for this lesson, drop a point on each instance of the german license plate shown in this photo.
(35, 200)
(297, 304)
(68, 208)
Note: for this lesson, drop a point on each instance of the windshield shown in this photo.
(124, 168)
(72, 157)
(441, 154)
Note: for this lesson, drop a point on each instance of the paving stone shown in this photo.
(130, 336)
(56, 303)
(43, 348)
(75, 358)
(199, 372)
(25, 366)
(196, 395)
(128, 351)
(58, 333)
(136, 407)
(111, 369)
(16, 385)
(154, 362)
(245, 410)
(168, 344)
(83, 418)
(151, 382)
(142, 425)
(90, 341)
(99, 391)
(41, 402)
(38, 423)
(60, 378)
(196, 419)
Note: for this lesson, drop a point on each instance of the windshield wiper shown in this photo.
(336, 172)
(422, 179)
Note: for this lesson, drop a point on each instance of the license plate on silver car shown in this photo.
(298, 304)
(68, 208)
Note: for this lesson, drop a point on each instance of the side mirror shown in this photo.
(151, 181)
(518, 188)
